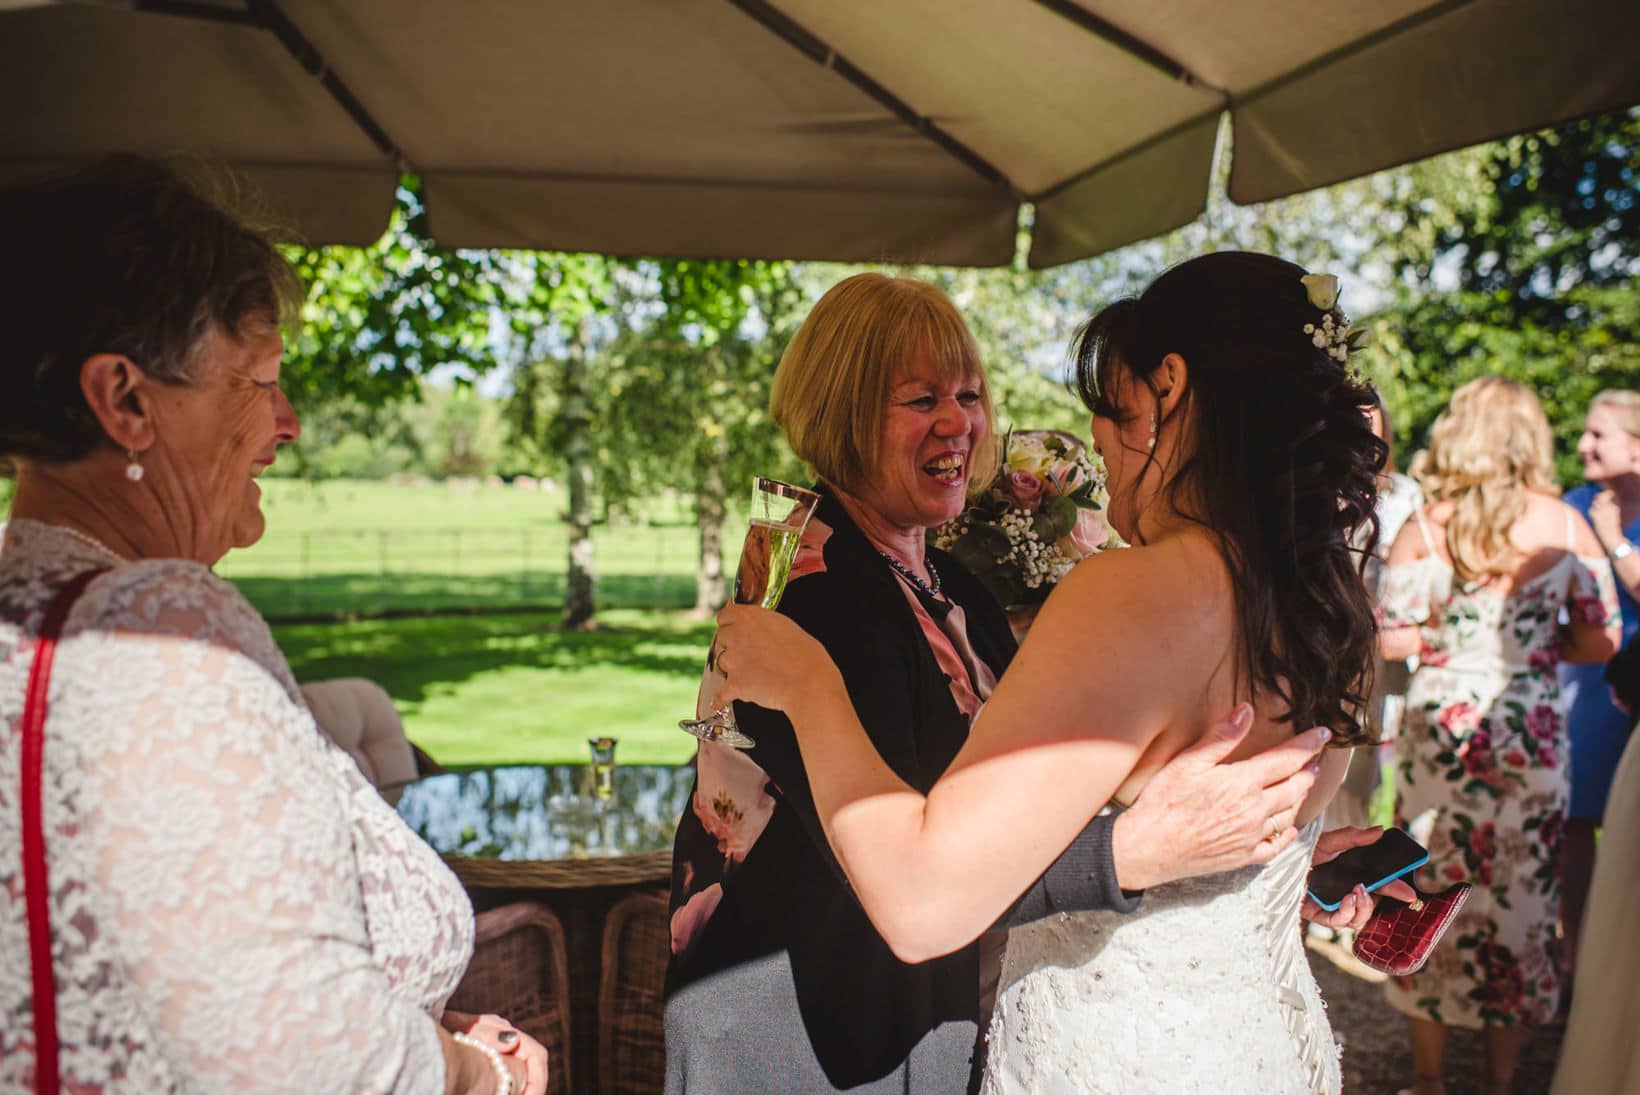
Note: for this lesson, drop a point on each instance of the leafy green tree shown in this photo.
(374, 321)
(557, 309)
(1520, 259)
(397, 308)
(686, 390)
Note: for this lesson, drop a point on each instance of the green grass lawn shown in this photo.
(483, 689)
(346, 548)
(509, 688)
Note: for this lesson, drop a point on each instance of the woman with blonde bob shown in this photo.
(1239, 461)
(1475, 584)
(778, 980)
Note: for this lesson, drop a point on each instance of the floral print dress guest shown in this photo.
(1484, 749)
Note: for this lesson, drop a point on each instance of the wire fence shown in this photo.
(345, 573)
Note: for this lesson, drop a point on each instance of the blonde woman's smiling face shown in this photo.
(931, 430)
(1607, 450)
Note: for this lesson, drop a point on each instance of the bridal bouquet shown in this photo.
(1043, 512)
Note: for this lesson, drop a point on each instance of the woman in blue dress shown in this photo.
(1610, 448)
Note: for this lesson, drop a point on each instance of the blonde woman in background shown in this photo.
(1610, 449)
(1475, 584)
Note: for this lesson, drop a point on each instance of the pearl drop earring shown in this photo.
(1151, 443)
(133, 470)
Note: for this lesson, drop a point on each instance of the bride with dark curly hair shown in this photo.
(1240, 467)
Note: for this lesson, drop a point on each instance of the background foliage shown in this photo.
(626, 399)
(1517, 257)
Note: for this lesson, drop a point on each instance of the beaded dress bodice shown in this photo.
(1204, 989)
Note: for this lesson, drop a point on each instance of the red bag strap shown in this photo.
(36, 889)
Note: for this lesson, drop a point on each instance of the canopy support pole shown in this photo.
(269, 16)
(818, 51)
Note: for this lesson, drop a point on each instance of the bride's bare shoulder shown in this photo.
(1180, 580)
(1187, 564)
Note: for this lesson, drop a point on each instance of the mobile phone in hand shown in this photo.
(1389, 857)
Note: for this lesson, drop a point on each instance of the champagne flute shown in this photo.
(780, 512)
(603, 767)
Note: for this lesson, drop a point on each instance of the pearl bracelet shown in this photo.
(503, 1078)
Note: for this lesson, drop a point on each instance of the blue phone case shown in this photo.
(1371, 886)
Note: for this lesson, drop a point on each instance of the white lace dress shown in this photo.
(233, 907)
(1204, 989)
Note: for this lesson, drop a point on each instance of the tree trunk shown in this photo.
(711, 585)
(579, 603)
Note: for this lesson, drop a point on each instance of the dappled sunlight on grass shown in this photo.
(512, 688)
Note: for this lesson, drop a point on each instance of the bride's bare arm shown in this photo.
(1085, 697)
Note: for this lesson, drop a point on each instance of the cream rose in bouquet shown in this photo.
(1044, 512)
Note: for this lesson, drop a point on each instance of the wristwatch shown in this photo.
(1622, 551)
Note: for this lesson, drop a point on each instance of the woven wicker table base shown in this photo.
(562, 874)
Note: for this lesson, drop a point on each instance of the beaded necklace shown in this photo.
(931, 587)
(88, 539)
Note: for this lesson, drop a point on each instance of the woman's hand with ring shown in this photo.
(1203, 813)
(766, 659)
(528, 1055)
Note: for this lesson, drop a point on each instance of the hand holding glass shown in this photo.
(780, 512)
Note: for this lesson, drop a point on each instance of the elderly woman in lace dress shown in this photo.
(231, 906)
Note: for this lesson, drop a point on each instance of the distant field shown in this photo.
(509, 688)
(483, 689)
(347, 548)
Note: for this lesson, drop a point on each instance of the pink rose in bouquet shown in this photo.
(1025, 489)
(1089, 534)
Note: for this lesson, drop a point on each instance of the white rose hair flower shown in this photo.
(1322, 290)
(1334, 334)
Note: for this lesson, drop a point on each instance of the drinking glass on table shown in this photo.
(603, 767)
(779, 513)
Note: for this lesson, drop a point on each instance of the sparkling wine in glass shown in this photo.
(603, 767)
(779, 513)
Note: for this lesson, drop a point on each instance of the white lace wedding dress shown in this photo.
(233, 907)
(1204, 989)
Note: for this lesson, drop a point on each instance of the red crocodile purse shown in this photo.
(1399, 937)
